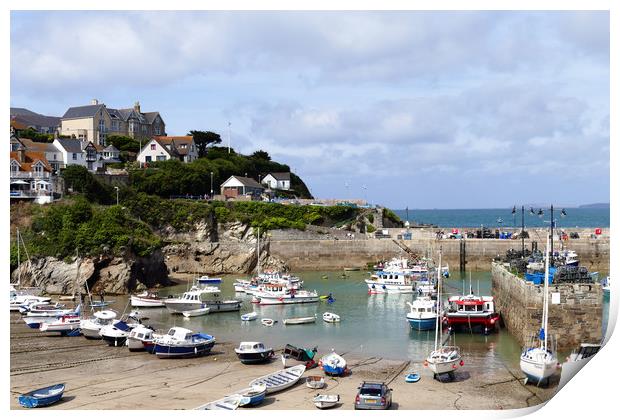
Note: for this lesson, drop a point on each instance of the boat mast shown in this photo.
(437, 331)
(546, 299)
(18, 260)
(258, 253)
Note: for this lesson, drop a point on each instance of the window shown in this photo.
(75, 156)
(132, 126)
(14, 167)
(38, 168)
(55, 156)
(147, 159)
(144, 128)
(157, 130)
(153, 146)
(102, 126)
(161, 157)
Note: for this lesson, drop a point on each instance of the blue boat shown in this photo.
(181, 342)
(42, 397)
(412, 377)
(423, 314)
(206, 280)
(333, 364)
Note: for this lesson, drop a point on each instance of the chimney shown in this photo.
(94, 102)
(136, 107)
(21, 153)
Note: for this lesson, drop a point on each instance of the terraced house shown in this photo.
(95, 122)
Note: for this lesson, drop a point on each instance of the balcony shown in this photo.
(30, 175)
(30, 194)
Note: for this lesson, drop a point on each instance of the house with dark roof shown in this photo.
(22, 118)
(31, 176)
(278, 180)
(71, 151)
(161, 148)
(238, 186)
(95, 122)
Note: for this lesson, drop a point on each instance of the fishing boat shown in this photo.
(147, 299)
(470, 312)
(443, 359)
(291, 296)
(267, 322)
(249, 316)
(196, 312)
(297, 354)
(231, 402)
(65, 325)
(90, 327)
(390, 282)
(315, 382)
(325, 400)
(412, 378)
(35, 319)
(42, 397)
(300, 320)
(116, 334)
(253, 352)
(181, 342)
(197, 296)
(331, 317)
(333, 364)
(281, 379)
(538, 360)
(253, 395)
(142, 338)
(422, 313)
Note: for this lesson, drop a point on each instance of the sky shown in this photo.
(410, 109)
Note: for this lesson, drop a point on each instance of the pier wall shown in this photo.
(334, 254)
(576, 319)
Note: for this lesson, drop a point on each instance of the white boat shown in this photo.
(231, 402)
(35, 319)
(290, 297)
(41, 307)
(331, 317)
(196, 312)
(267, 322)
(63, 324)
(539, 362)
(315, 382)
(116, 333)
(333, 364)
(576, 361)
(142, 338)
(253, 395)
(605, 285)
(325, 400)
(390, 282)
(443, 359)
(281, 379)
(300, 320)
(90, 327)
(17, 301)
(422, 314)
(253, 352)
(249, 316)
(181, 342)
(197, 296)
(147, 299)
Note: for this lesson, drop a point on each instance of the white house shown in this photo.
(72, 152)
(169, 147)
(31, 176)
(278, 180)
(236, 186)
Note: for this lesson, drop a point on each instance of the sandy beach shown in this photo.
(101, 377)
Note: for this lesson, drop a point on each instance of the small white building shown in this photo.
(161, 148)
(71, 151)
(278, 180)
(237, 186)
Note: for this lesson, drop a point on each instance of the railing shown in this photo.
(34, 175)
(29, 194)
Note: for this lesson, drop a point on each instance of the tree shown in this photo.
(202, 140)
(80, 180)
(260, 154)
(34, 135)
(124, 143)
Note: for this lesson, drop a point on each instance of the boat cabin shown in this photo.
(387, 277)
(180, 334)
(250, 346)
(141, 333)
(471, 304)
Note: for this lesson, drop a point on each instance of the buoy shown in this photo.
(462, 363)
(453, 366)
(425, 363)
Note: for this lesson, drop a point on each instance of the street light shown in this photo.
(116, 188)
(211, 185)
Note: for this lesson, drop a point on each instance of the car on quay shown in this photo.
(373, 396)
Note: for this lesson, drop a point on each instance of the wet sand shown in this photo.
(101, 377)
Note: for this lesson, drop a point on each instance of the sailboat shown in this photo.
(539, 363)
(444, 359)
(18, 295)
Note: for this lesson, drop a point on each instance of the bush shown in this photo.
(80, 180)
(370, 229)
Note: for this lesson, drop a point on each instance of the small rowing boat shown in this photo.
(331, 317)
(333, 364)
(196, 312)
(267, 322)
(231, 402)
(300, 320)
(42, 397)
(253, 395)
(249, 316)
(315, 382)
(325, 401)
(412, 377)
(281, 379)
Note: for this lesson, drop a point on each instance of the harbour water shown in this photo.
(371, 325)
(575, 217)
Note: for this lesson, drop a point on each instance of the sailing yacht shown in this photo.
(539, 363)
(444, 359)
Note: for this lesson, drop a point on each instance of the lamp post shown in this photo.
(211, 185)
(116, 188)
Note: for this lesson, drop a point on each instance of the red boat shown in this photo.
(471, 311)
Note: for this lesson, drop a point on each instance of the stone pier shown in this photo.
(575, 310)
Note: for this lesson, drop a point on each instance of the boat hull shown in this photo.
(254, 358)
(165, 351)
(224, 306)
(287, 300)
(422, 324)
(536, 370)
(379, 288)
(487, 322)
(180, 307)
(114, 341)
(42, 397)
(138, 302)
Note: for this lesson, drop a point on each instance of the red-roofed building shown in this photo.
(161, 148)
(31, 176)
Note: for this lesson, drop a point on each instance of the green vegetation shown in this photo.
(80, 180)
(202, 139)
(32, 134)
(390, 215)
(370, 229)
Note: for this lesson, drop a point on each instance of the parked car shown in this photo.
(373, 396)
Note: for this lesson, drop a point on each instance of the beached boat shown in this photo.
(300, 320)
(231, 402)
(422, 314)
(42, 397)
(90, 327)
(281, 379)
(291, 355)
(331, 317)
(142, 338)
(412, 378)
(249, 316)
(539, 362)
(576, 361)
(605, 285)
(116, 334)
(315, 382)
(196, 312)
(17, 301)
(35, 319)
(443, 359)
(181, 342)
(322, 401)
(147, 299)
(253, 395)
(267, 322)
(333, 364)
(253, 352)
(40, 307)
(65, 325)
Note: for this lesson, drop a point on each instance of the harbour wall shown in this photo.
(576, 319)
(335, 254)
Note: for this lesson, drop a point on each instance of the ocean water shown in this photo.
(575, 217)
(371, 325)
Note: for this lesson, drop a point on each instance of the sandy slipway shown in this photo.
(101, 377)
